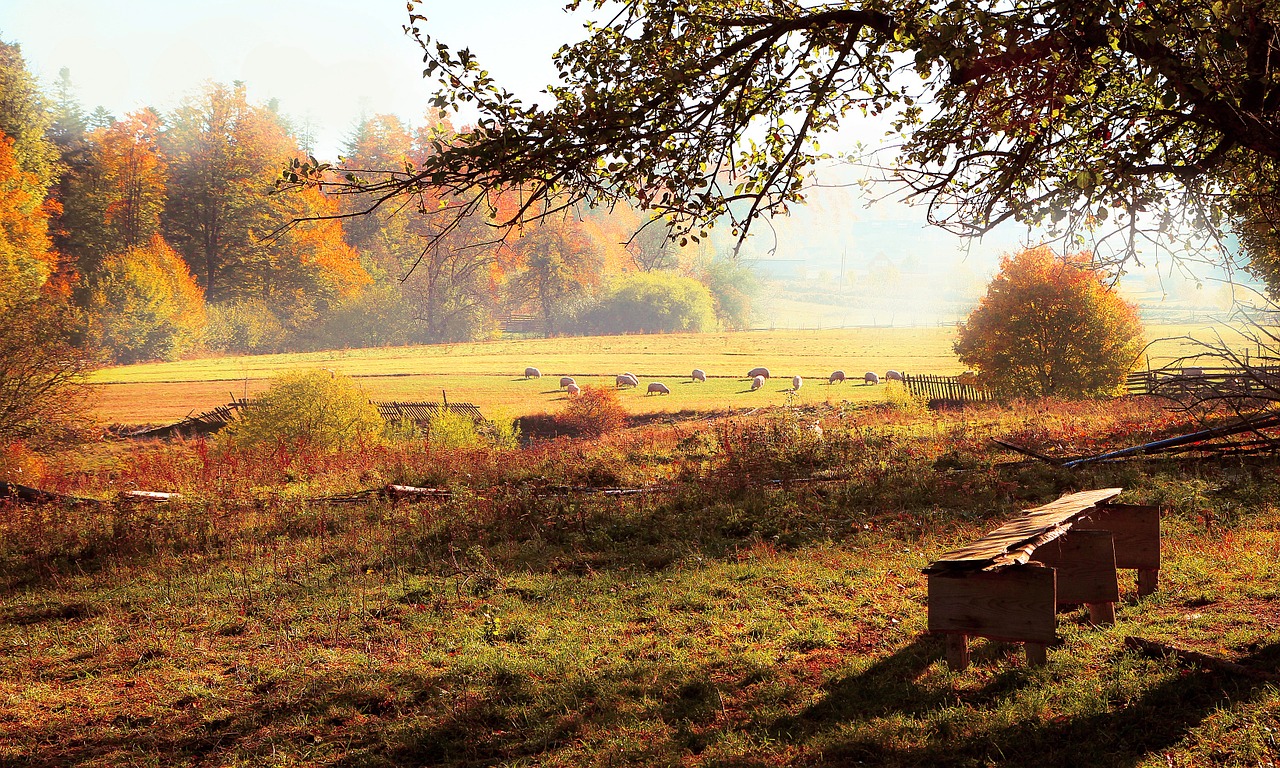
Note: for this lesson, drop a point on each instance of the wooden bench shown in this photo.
(1009, 584)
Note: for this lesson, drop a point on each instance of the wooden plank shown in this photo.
(1136, 529)
(1086, 566)
(1016, 604)
(1021, 530)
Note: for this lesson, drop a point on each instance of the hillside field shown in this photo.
(489, 374)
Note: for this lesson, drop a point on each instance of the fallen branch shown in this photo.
(1160, 650)
(37, 496)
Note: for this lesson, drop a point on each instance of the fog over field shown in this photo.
(837, 260)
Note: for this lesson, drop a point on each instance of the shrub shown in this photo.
(595, 411)
(652, 302)
(145, 305)
(44, 398)
(247, 327)
(1051, 326)
(318, 409)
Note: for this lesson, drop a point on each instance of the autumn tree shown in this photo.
(26, 257)
(1119, 122)
(1051, 326)
(244, 240)
(42, 388)
(555, 269)
(223, 154)
(25, 119)
(450, 291)
(114, 195)
(145, 305)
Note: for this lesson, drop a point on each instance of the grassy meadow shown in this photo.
(489, 374)
(764, 608)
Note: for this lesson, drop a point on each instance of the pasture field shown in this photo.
(489, 373)
(728, 619)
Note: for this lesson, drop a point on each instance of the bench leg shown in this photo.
(1102, 613)
(1037, 654)
(957, 652)
(1148, 582)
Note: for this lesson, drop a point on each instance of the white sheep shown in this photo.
(573, 389)
(1192, 371)
(698, 375)
(754, 372)
(625, 380)
(796, 383)
(893, 375)
(532, 373)
(658, 388)
(835, 376)
(757, 383)
(566, 381)
(870, 378)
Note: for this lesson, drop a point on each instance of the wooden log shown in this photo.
(411, 492)
(152, 497)
(1160, 650)
(957, 652)
(1086, 565)
(1016, 604)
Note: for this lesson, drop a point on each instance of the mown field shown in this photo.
(726, 619)
(489, 373)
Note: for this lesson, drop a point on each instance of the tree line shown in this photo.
(159, 234)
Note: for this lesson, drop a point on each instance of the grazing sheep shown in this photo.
(835, 376)
(532, 373)
(699, 375)
(754, 372)
(796, 382)
(573, 389)
(658, 387)
(893, 376)
(870, 378)
(566, 381)
(1192, 371)
(625, 380)
(757, 383)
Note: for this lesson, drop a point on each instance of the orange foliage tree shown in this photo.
(1051, 326)
(26, 260)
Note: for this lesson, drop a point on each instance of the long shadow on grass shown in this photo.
(1158, 720)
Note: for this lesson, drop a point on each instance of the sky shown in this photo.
(330, 61)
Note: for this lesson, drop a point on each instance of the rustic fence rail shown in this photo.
(1179, 382)
(422, 412)
(945, 389)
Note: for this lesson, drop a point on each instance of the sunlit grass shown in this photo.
(490, 374)
(725, 621)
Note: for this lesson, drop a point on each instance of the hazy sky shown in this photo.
(329, 61)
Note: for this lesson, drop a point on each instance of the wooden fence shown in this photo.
(1183, 382)
(421, 412)
(945, 389)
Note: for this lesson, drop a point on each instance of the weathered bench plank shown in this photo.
(1015, 541)
(1014, 604)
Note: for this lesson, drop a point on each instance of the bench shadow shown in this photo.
(1161, 718)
